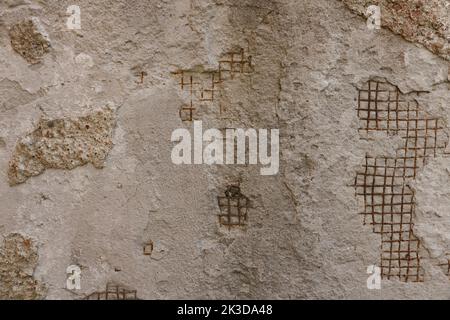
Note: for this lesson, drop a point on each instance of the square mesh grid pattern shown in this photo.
(388, 201)
(233, 207)
(113, 292)
(204, 87)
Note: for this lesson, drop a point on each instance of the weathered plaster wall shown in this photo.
(129, 217)
(424, 22)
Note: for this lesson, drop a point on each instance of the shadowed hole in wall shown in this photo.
(148, 248)
(233, 207)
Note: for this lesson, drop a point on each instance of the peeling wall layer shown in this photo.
(18, 260)
(63, 144)
(86, 118)
(384, 182)
(29, 39)
(424, 22)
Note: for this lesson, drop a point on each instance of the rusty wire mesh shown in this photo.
(113, 292)
(204, 87)
(382, 183)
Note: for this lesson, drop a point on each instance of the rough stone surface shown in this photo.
(425, 22)
(18, 260)
(29, 39)
(63, 144)
(303, 65)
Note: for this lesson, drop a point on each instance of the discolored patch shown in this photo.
(63, 144)
(29, 39)
(424, 22)
(18, 259)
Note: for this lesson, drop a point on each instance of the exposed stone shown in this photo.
(425, 22)
(18, 259)
(29, 39)
(63, 144)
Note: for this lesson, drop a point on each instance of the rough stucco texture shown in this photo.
(424, 22)
(86, 176)
(18, 259)
(29, 40)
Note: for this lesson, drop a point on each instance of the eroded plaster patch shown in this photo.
(63, 144)
(203, 87)
(29, 39)
(384, 182)
(424, 22)
(18, 259)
